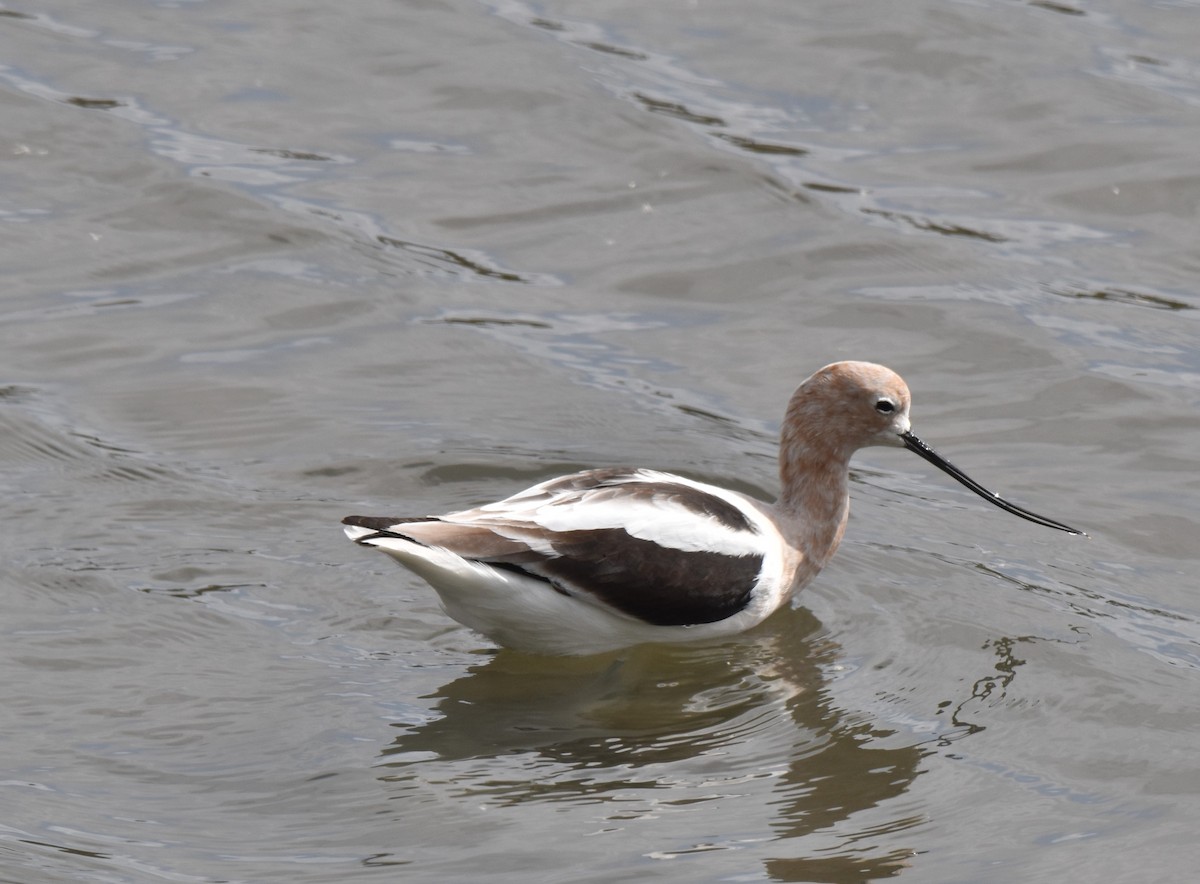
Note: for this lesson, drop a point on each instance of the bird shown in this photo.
(609, 558)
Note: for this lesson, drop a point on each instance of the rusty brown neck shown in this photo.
(814, 476)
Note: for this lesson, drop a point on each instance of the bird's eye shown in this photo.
(885, 406)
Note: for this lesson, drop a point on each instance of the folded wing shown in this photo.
(655, 547)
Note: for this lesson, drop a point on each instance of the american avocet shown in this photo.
(607, 558)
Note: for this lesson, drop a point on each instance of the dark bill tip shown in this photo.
(915, 445)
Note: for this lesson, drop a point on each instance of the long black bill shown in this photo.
(915, 445)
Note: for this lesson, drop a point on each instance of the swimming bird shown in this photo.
(607, 558)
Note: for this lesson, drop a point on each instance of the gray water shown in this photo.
(267, 264)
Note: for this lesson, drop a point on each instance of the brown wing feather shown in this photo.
(604, 565)
(477, 542)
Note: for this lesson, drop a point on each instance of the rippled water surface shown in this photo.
(266, 264)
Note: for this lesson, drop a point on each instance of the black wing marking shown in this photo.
(652, 582)
(662, 586)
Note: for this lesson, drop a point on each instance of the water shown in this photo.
(270, 264)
